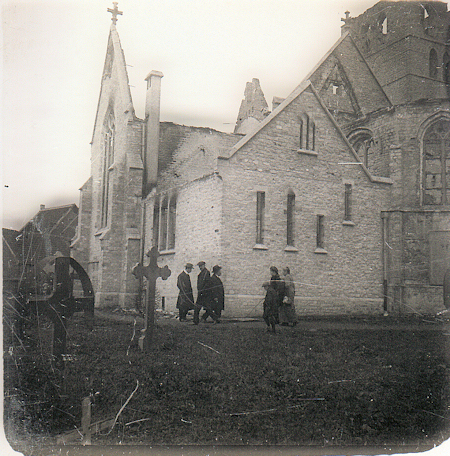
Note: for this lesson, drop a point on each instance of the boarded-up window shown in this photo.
(439, 256)
(260, 206)
(436, 163)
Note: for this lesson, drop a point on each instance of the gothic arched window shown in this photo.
(436, 163)
(108, 160)
(433, 64)
(362, 141)
(164, 222)
(307, 133)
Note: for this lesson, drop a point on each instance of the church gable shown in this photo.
(346, 83)
(302, 126)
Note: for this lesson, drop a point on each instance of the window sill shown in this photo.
(320, 251)
(307, 152)
(260, 247)
(167, 252)
(348, 223)
(290, 248)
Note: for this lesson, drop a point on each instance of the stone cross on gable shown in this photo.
(151, 272)
(115, 12)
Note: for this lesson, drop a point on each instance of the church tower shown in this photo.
(407, 46)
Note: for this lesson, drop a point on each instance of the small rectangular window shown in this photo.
(320, 231)
(260, 205)
(290, 219)
(348, 202)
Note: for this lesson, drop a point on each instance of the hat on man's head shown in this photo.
(200, 263)
(274, 269)
(189, 265)
(216, 268)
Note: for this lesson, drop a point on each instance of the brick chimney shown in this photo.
(42, 207)
(152, 110)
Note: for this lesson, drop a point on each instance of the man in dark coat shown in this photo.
(202, 293)
(216, 293)
(185, 301)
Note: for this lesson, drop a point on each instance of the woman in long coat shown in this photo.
(287, 308)
(278, 285)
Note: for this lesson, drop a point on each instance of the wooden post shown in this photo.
(151, 272)
(86, 420)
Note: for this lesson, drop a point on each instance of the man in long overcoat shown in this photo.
(185, 301)
(202, 293)
(216, 293)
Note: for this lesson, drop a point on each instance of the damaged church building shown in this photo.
(346, 181)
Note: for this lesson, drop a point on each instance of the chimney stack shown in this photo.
(42, 207)
(152, 113)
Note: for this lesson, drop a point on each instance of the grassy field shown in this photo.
(234, 383)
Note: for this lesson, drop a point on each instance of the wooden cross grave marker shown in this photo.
(151, 272)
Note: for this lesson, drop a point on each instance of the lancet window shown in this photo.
(108, 160)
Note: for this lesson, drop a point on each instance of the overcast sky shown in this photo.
(53, 56)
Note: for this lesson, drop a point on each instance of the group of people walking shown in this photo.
(210, 293)
(279, 304)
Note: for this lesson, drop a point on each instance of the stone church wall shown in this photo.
(197, 236)
(345, 277)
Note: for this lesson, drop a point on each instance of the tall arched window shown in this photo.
(108, 160)
(436, 163)
(164, 222)
(307, 132)
(290, 217)
(172, 222)
(362, 141)
(433, 64)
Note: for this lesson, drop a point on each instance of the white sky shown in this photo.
(53, 56)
